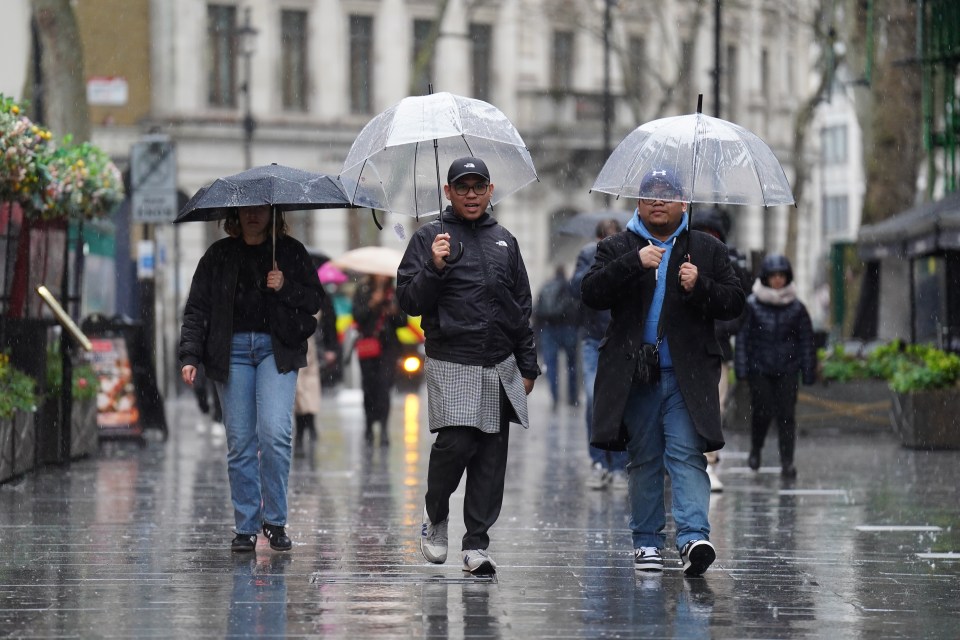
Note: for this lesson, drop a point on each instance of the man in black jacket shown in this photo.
(664, 286)
(481, 361)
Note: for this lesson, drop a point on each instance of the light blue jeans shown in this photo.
(662, 437)
(610, 460)
(258, 413)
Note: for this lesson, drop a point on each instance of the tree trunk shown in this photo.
(891, 120)
(64, 83)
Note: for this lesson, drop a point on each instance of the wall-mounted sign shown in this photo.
(107, 91)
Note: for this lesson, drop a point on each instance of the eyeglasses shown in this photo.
(462, 189)
(663, 196)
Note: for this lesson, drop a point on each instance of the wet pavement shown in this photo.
(135, 543)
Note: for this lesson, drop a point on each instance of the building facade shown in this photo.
(319, 70)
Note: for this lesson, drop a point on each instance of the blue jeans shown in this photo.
(258, 413)
(662, 437)
(553, 338)
(610, 460)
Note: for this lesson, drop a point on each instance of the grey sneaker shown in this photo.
(599, 478)
(433, 539)
(647, 559)
(697, 556)
(478, 562)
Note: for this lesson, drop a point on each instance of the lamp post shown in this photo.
(247, 41)
(607, 98)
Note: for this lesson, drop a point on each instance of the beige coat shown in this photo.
(308, 382)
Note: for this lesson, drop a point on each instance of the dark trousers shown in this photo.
(774, 398)
(376, 378)
(484, 458)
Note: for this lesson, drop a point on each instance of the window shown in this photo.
(561, 71)
(833, 144)
(835, 215)
(422, 55)
(361, 63)
(637, 62)
(293, 60)
(733, 82)
(765, 73)
(221, 56)
(481, 52)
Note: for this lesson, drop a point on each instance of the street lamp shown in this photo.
(247, 42)
(607, 97)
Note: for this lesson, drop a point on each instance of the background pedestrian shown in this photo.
(774, 349)
(378, 316)
(607, 468)
(556, 317)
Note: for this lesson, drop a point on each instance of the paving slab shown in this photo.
(134, 542)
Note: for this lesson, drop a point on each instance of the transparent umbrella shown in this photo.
(395, 162)
(716, 161)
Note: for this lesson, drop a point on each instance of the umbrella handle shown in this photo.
(373, 212)
(454, 259)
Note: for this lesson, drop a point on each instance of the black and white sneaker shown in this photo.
(697, 556)
(647, 559)
(244, 543)
(277, 535)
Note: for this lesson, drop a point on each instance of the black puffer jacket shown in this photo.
(776, 337)
(475, 311)
(207, 329)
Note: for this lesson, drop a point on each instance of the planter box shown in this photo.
(927, 419)
(84, 431)
(17, 445)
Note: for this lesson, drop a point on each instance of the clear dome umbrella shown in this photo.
(396, 161)
(715, 161)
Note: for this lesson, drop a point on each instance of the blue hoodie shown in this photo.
(656, 305)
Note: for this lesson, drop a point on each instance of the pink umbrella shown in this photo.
(330, 274)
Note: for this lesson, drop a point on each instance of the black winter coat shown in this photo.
(776, 340)
(475, 311)
(617, 281)
(207, 329)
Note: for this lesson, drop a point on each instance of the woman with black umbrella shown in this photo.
(248, 316)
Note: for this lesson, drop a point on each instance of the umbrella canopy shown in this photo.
(329, 273)
(393, 165)
(374, 260)
(283, 188)
(584, 224)
(716, 161)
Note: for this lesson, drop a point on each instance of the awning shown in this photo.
(925, 229)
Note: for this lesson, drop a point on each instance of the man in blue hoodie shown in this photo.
(664, 286)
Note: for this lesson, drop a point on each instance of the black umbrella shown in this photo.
(283, 188)
(584, 224)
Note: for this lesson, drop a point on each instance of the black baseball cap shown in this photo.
(467, 167)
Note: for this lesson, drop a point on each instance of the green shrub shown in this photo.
(16, 389)
(85, 380)
(905, 367)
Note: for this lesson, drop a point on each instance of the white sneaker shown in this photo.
(715, 485)
(433, 539)
(478, 562)
(619, 480)
(599, 477)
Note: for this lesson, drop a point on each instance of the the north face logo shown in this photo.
(501, 243)
(469, 165)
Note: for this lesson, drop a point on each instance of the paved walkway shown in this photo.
(134, 543)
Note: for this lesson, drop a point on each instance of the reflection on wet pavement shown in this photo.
(135, 543)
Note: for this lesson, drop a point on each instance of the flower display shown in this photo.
(16, 389)
(53, 181)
